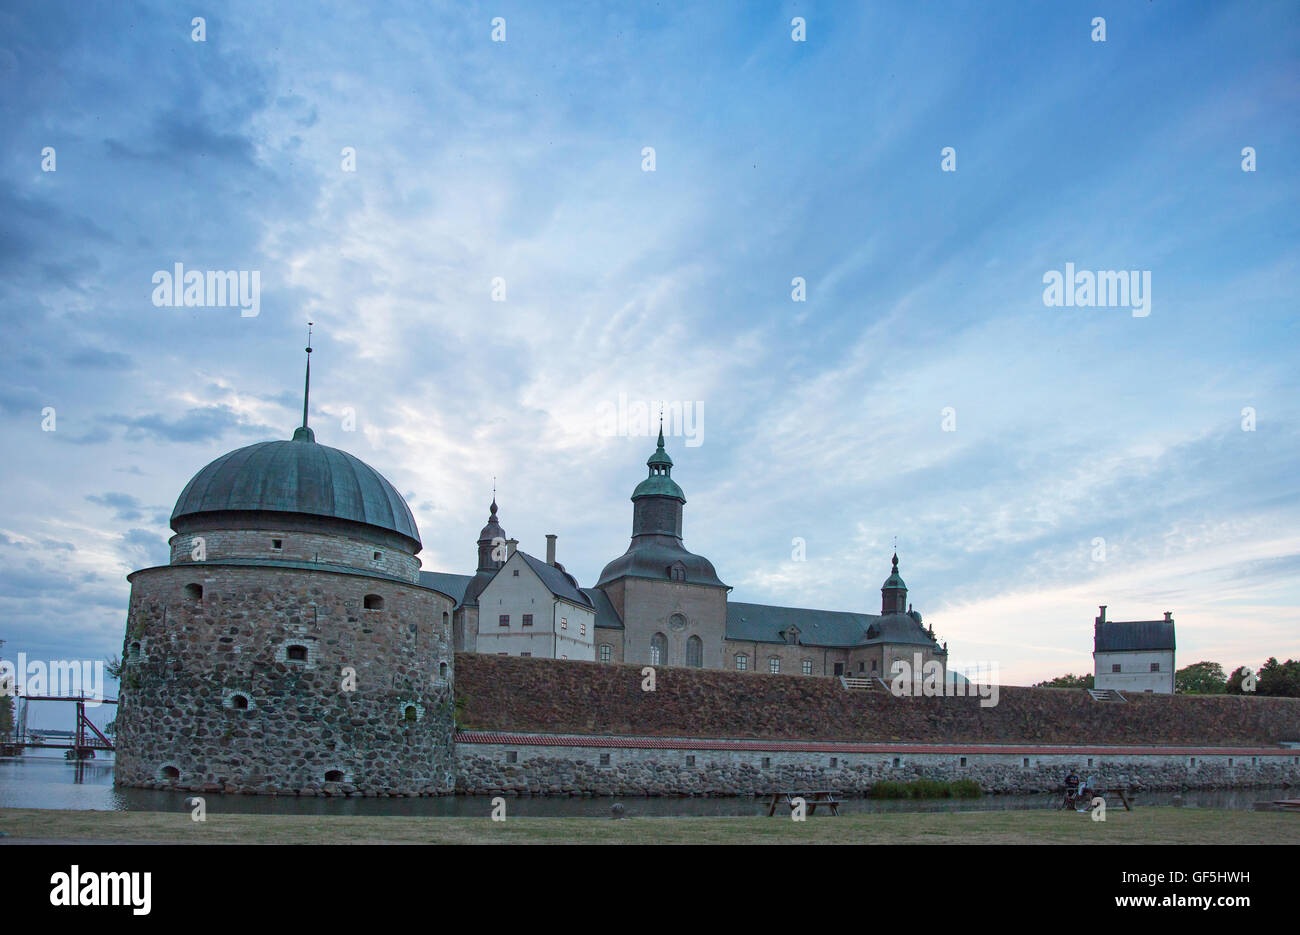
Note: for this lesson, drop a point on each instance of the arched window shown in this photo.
(442, 670)
(373, 602)
(296, 653)
(334, 775)
(410, 713)
(659, 650)
(170, 772)
(742, 662)
(194, 592)
(239, 702)
(135, 649)
(695, 652)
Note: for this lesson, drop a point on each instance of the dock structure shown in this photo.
(83, 740)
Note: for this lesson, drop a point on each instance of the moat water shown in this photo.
(49, 781)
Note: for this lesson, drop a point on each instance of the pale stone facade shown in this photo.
(526, 619)
(1134, 656)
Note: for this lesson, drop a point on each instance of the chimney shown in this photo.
(1169, 616)
(1102, 617)
(511, 545)
(550, 548)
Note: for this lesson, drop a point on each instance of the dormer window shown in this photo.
(677, 571)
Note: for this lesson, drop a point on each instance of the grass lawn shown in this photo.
(1141, 826)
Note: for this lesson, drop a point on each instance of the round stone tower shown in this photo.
(288, 647)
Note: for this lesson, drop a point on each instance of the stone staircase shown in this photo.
(1107, 694)
(872, 684)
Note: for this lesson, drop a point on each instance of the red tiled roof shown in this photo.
(787, 746)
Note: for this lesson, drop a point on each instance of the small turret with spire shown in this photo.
(492, 539)
(893, 594)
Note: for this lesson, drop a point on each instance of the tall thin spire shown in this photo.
(306, 386)
(303, 433)
(661, 425)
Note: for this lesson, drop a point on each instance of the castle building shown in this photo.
(289, 645)
(1133, 655)
(660, 604)
(292, 644)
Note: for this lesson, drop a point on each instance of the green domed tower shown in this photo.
(672, 604)
(893, 593)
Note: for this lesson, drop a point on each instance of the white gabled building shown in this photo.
(535, 608)
(1134, 655)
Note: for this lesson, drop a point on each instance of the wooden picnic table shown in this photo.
(824, 797)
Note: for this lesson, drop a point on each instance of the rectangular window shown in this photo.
(774, 665)
(897, 762)
(512, 756)
(606, 652)
(1114, 667)
(690, 761)
(767, 762)
(525, 654)
(604, 759)
(528, 620)
(582, 628)
(963, 761)
(1026, 763)
(742, 662)
(834, 762)
(277, 545)
(564, 623)
(378, 556)
(1155, 667)
(503, 620)
(515, 572)
(807, 667)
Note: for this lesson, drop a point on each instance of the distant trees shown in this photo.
(1201, 678)
(1234, 686)
(1067, 681)
(1273, 678)
(1279, 678)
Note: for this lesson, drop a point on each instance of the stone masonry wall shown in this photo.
(558, 696)
(329, 548)
(531, 768)
(188, 663)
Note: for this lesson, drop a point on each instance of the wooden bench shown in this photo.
(824, 797)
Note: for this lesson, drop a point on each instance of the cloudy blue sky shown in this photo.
(774, 159)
